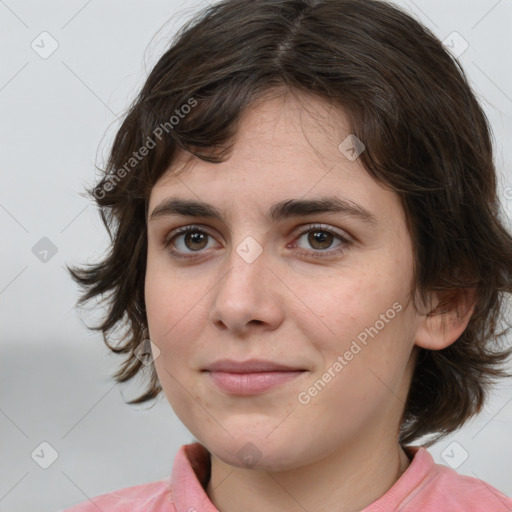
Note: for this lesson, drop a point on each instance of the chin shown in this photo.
(256, 452)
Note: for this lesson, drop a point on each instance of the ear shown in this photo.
(444, 324)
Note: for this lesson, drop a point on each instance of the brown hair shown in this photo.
(426, 137)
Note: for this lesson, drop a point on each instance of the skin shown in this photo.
(340, 450)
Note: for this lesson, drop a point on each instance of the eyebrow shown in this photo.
(282, 210)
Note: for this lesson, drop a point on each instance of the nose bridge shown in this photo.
(246, 266)
(244, 294)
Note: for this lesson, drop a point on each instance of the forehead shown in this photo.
(286, 147)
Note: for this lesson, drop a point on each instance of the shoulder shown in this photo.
(150, 497)
(473, 494)
(441, 488)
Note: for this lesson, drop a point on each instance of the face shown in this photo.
(324, 291)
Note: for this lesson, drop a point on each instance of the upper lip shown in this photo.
(250, 366)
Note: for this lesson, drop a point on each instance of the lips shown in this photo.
(250, 377)
(251, 366)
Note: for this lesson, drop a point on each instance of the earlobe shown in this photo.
(445, 323)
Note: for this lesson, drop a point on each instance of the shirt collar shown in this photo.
(190, 476)
(192, 467)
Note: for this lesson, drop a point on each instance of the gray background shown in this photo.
(58, 115)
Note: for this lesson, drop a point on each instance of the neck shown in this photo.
(344, 481)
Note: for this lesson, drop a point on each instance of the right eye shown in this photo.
(187, 240)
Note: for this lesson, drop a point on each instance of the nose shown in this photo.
(249, 293)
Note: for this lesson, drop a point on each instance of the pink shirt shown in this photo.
(424, 486)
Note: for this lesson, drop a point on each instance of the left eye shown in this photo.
(320, 239)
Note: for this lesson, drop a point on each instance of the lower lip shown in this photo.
(251, 383)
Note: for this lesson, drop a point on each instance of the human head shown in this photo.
(426, 138)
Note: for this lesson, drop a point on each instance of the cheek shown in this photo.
(168, 312)
(172, 320)
(341, 308)
(364, 318)
(169, 297)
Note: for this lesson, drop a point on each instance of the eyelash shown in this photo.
(341, 248)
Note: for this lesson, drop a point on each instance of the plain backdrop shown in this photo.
(58, 114)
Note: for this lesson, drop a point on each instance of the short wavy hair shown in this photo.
(426, 136)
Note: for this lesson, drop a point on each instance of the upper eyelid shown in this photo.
(340, 233)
